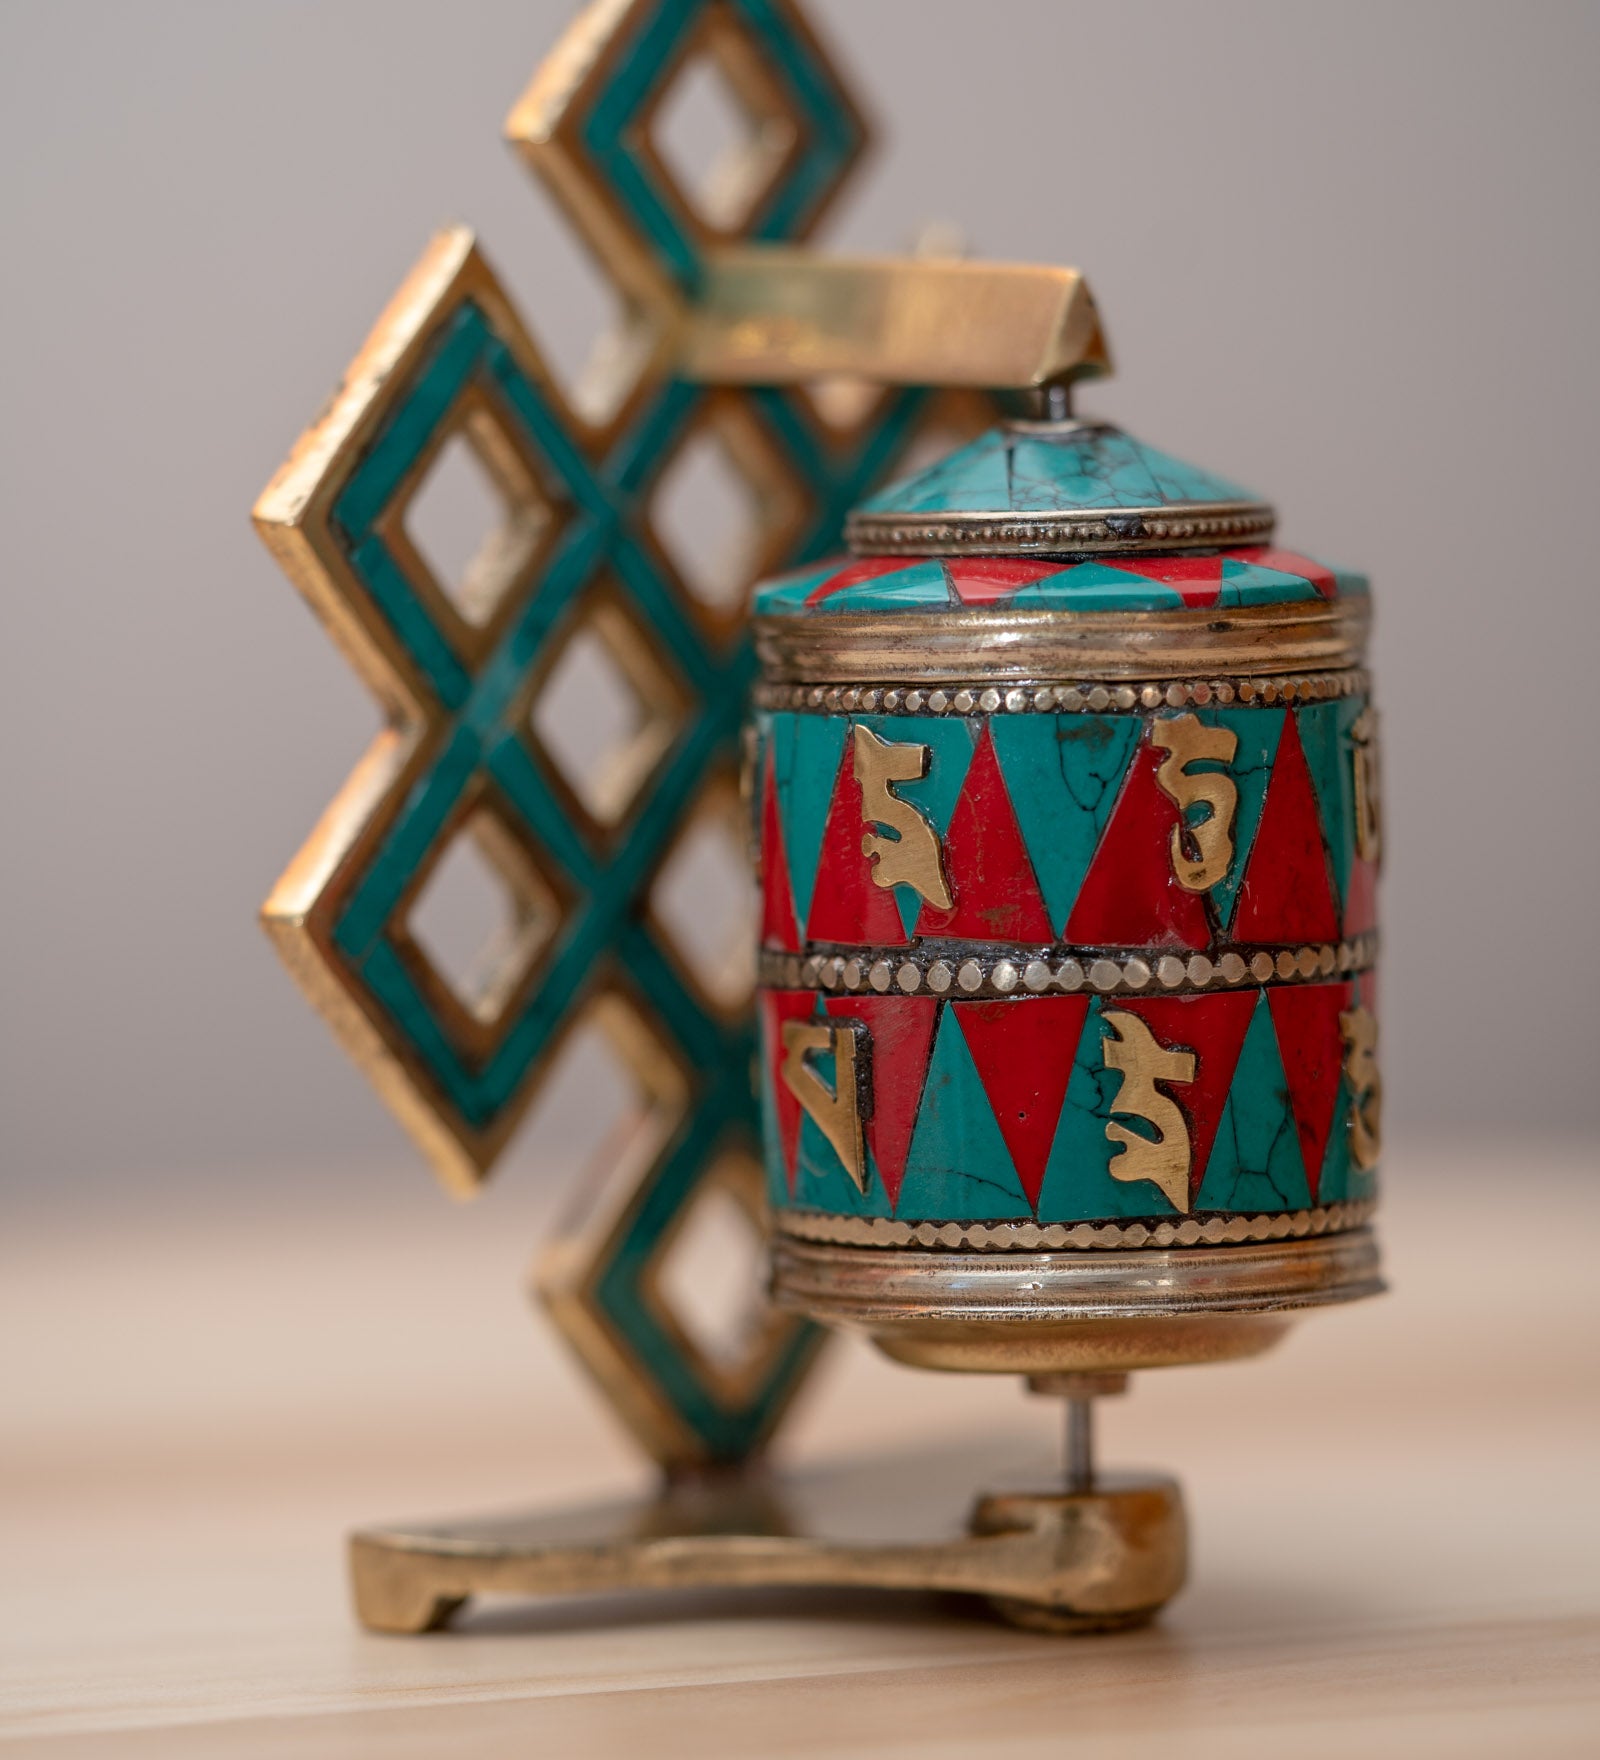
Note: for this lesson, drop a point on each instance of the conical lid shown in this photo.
(1059, 488)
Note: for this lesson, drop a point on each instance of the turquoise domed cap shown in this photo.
(1065, 488)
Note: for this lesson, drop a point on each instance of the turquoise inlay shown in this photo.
(1249, 583)
(821, 1182)
(806, 753)
(1342, 1180)
(719, 1119)
(1078, 1185)
(1330, 757)
(972, 479)
(1255, 1164)
(1350, 584)
(833, 133)
(1097, 586)
(1258, 732)
(1063, 773)
(1339, 1172)
(951, 743)
(828, 133)
(921, 584)
(790, 591)
(959, 1168)
(917, 585)
(1087, 468)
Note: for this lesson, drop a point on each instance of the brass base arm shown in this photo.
(1106, 1556)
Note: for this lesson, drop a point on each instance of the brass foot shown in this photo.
(1127, 1539)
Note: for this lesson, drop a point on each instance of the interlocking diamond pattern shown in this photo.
(452, 351)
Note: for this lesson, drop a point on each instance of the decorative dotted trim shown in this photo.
(1215, 1231)
(1060, 699)
(1013, 971)
(1137, 529)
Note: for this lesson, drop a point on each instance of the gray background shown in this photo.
(1346, 253)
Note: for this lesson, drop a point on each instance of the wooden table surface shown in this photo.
(1397, 1543)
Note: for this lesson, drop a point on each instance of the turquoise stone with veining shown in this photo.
(1082, 467)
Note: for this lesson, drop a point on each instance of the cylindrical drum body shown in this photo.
(1068, 995)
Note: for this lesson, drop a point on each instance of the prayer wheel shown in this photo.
(1065, 788)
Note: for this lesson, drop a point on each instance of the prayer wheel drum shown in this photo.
(1064, 784)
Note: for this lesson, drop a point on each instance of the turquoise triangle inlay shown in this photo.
(790, 592)
(1255, 1163)
(950, 745)
(1097, 586)
(821, 1182)
(1249, 583)
(1077, 1179)
(1330, 757)
(806, 751)
(1339, 1173)
(959, 1167)
(922, 585)
(1063, 773)
(1258, 732)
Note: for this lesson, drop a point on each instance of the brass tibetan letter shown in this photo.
(1360, 1029)
(1369, 799)
(1186, 740)
(912, 858)
(837, 1112)
(1143, 1062)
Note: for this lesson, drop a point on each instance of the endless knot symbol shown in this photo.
(461, 677)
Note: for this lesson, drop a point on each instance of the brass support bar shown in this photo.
(774, 316)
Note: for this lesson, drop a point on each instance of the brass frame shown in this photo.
(1011, 646)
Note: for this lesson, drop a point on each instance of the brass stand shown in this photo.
(1096, 1553)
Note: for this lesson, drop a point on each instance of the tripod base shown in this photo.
(1098, 1558)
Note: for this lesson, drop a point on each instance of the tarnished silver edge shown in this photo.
(1133, 530)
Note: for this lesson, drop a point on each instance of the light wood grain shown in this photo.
(1397, 1545)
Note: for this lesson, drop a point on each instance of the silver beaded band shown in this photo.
(1061, 699)
(1034, 971)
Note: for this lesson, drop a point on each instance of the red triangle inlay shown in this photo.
(848, 905)
(777, 1007)
(902, 1041)
(868, 568)
(1213, 1028)
(995, 896)
(1289, 562)
(778, 925)
(1023, 1053)
(1130, 897)
(1306, 1020)
(1196, 579)
(1288, 894)
(980, 580)
(1361, 898)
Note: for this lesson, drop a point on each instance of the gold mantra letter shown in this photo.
(1186, 741)
(1369, 799)
(1360, 1029)
(837, 1113)
(1143, 1063)
(913, 857)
